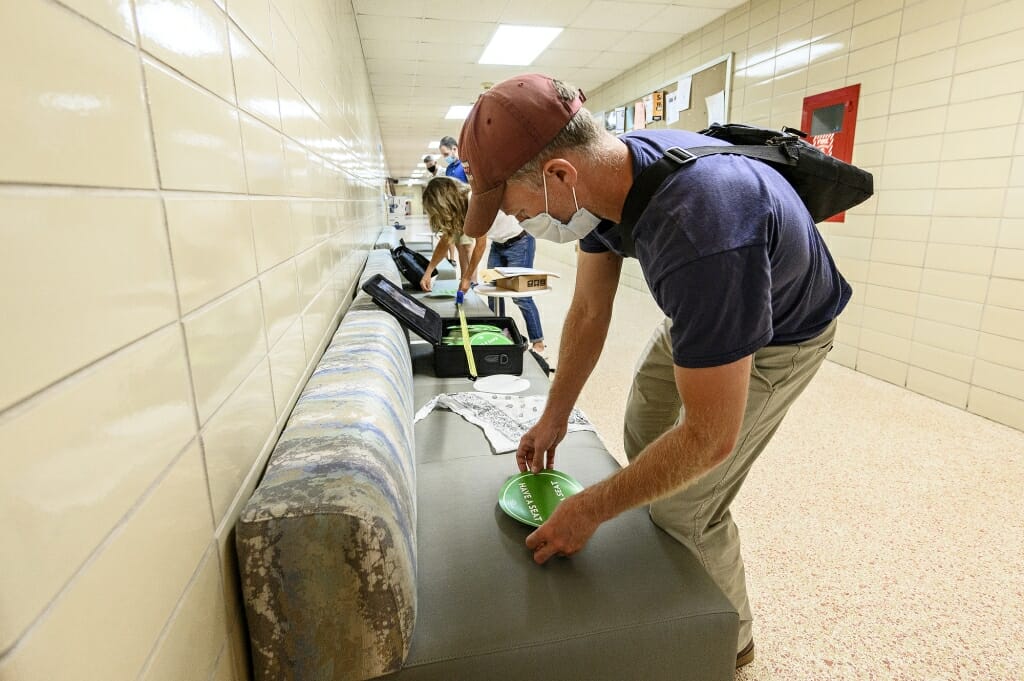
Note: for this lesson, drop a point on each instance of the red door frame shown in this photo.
(839, 144)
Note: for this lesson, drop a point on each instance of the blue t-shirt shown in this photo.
(729, 252)
(455, 170)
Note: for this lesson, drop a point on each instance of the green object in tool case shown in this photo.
(489, 354)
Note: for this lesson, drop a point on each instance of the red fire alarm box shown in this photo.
(830, 120)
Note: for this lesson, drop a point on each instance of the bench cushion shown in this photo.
(634, 604)
(327, 543)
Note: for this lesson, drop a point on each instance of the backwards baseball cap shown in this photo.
(507, 127)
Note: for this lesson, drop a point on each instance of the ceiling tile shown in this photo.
(382, 92)
(584, 39)
(392, 66)
(495, 73)
(374, 27)
(453, 71)
(681, 20)
(464, 10)
(457, 52)
(604, 14)
(391, 8)
(398, 80)
(565, 59)
(543, 12)
(391, 49)
(449, 32)
(717, 4)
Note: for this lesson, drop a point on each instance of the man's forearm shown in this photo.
(668, 465)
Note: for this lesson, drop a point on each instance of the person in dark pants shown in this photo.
(512, 246)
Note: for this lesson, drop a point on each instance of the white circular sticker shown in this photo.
(501, 383)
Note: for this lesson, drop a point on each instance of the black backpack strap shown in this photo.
(648, 181)
(644, 186)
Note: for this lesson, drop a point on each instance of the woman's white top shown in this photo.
(504, 228)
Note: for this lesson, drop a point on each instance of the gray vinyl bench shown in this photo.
(375, 547)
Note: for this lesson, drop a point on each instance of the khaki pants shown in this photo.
(699, 516)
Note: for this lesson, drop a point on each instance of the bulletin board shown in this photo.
(705, 80)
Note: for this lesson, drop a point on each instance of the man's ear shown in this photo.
(560, 170)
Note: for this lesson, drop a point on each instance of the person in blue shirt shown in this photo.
(449, 149)
(734, 260)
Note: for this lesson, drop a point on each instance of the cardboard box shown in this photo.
(449, 360)
(518, 278)
(524, 282)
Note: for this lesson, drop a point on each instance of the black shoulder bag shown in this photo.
(825, 184)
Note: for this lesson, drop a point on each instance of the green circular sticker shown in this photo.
(531, 498)
(489, 338)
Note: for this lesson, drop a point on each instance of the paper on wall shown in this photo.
(671, 107)
(683, 93)
(639, 115)
(716, 107)
(649, 108)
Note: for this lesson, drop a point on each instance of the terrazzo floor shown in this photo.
(883, 531)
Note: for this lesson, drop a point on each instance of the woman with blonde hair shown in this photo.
(446, 202)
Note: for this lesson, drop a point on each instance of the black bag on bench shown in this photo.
(412, 264)
(826, 185)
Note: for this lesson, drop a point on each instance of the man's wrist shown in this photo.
(594, 504)
(554, 416)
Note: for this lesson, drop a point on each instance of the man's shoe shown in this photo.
(745, 656)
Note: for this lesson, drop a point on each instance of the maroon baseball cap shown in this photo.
(507, 127)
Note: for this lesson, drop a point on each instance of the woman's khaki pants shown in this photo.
(699, 516)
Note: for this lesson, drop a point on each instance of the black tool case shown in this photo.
(449, 360)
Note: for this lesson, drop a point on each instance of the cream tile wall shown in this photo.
(937, 257)
(187, 191)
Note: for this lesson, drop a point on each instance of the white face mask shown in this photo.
(447, 161)
(545, 227)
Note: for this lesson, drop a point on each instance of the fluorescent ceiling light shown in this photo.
(458, 111)
(433, 145)
(517, 45)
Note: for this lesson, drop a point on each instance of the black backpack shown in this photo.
(826, 185)
(412, 264)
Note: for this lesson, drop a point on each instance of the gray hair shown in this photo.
(581, 133)
(448, 141)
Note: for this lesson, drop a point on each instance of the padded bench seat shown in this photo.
(634, 604)
(373, 547)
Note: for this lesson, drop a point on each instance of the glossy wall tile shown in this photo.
(73, 111)
(78, 297)
(154, 336)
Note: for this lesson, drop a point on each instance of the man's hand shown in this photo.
(539, 441)
(567, 531)
(425, 282)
